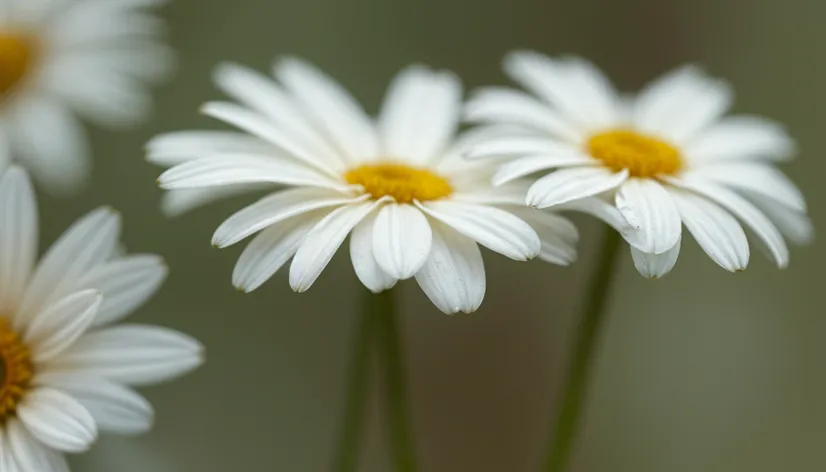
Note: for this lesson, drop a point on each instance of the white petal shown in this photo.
(58, 420)
(270, 250)
(232, 169)
(517, 146)
(557, 234)
(177, 202)
(717, 232)
(52, 144)
(746, 212)
(648, 207)
(420, 114)
(512, 193)
(401, 240)
(332, 107)
(131, 354)
(171, 149)
(364, 262)
(566, 185)
(18, 236)
(501, 105)
(125, 283)
(496, 229)
(655, 266)
(453, 277)
(742, 137)
(59, 325)
(115, 408)
(323, 242)
(794, 225)
(259, 126)
(275, 208)
(755, 177)
(29, 454)
(88, 243)
(600, 209)
(528, 165)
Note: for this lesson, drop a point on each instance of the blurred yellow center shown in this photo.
(403, 183)
(642, 155)
(17, 55)
(16, 370)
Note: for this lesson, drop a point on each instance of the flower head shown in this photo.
(60, 59)
(398, 186)
(65, 367)
(667, 158)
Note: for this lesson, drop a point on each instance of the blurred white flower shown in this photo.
(62, 58)
(66, 367)
(668, 157)
(397, 185)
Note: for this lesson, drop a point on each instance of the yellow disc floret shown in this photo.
(643, 156)
(16, 370)
(399, 181)
(17, 56)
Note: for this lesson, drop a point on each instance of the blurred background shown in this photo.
(701, 371)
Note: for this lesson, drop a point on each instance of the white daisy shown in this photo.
(667, 157)
(397, 185)
(62, 58)
(65, 368)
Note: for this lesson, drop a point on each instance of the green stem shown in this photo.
(357, 389)
(582, 357)
(395, 384)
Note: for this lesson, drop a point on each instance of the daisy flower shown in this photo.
(668, 158)
(65, 367)
(397, 185)
(60, 59)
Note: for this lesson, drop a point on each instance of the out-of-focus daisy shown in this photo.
(62, 58)
(397, 185)
(668, 157)
(66, 367)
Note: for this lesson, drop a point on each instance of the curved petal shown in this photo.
(401, 240)
(655, 266)
(566, 185)
(742, 138)
(528, 165)
(28, 453)
(796, 226)
(18, 236)
(518, 146)
(557, 234)
(171, 149)
(648, 207)
(59, 325)
(453, 277)
(754, 177)
(364, 261)
(58, 420)
(177, 202)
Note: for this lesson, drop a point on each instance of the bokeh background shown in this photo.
(701, 371)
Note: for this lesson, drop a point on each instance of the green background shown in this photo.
(701, 371)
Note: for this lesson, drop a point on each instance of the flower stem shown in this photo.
(392, 362)
(358, 371)
(582, 357)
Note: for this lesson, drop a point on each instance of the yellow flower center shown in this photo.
(17, 56)
(643, 156)
(402, 182)
(16, 370)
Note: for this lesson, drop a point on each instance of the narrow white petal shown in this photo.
(275, 208)
(756, 177)
(501, 105)
(125, 284)
(18, 236)
(115, 408)
(453, 277)
(648, 207)
(401, 240)
(494, 228)
(232, 169)
(270, 250)
(742, 138)
(717, 232)
(364, 261)
(747, 213)
(58, 420)
(131, 354)
(566, 185)
(28, 453)
(796, 226)
(331, 106)
(322, 243)
(511, 193)
(59, 325)
(516, 146)
(88, 243)
(600, 209)
(420, 114)
(557, 234)
(177, 202)
(655, 266)
(525, 166)
(171, 149)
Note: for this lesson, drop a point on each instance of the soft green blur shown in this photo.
(701, 371)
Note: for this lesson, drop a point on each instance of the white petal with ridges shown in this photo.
(29, 453)
(58, 420)
(18, 236)
(171, 149)
(528, 165)
(655, 266)
(566, 185)
(648, 207)
(752, 176)
(364, 261)
(59, 325)
(742, 138)
(401, 240)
